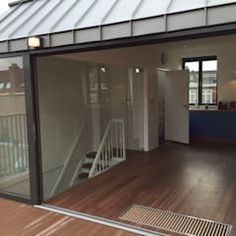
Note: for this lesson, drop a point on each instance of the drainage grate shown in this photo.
(176, 223)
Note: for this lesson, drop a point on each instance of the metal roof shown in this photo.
(64, 22)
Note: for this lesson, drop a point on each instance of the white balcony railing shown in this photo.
(13, 144)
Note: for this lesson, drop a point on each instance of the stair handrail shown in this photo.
(67, 161)
(103, 145)
(100, 149)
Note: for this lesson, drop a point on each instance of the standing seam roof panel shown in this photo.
(122, 11)
(23, 18)
(43, 17)
(219, 2)
(23, 28)
(95, 16)
(152, 8)
(40, 19)
(10, 19)
(55, 15)
(185, 5)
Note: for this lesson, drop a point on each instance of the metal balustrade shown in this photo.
(13, 144)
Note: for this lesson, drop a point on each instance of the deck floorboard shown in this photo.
(18, 219)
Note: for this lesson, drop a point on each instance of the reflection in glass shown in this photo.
(98, 86)
(74, 125)
(14, 165)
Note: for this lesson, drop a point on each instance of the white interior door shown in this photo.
(176, 106)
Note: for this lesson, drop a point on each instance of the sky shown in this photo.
(4, 5)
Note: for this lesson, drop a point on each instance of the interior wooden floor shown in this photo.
(23, 220)
(197, 180)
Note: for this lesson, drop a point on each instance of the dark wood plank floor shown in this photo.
(18, 219)
(197, 180)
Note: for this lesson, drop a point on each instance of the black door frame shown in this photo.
(32, 97)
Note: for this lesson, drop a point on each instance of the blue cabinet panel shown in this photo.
(213, 124)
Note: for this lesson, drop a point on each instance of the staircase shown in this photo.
(111, 151)
(87, 166)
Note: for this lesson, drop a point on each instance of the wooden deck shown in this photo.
(18, 219)
(197, 180)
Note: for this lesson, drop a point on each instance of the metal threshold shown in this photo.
(99, 220)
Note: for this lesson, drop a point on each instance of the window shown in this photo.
(203, 80)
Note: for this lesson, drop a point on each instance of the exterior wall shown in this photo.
(12, 104)
(12, 100)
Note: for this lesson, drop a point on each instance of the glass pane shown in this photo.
(14, 159)
(193, 68)
(209, 82)
(73, 125)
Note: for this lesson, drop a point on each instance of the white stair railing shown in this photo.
(112, 148)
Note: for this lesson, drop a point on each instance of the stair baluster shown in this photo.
(111, 151)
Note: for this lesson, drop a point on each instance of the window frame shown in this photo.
(32, 130)
(200, 60)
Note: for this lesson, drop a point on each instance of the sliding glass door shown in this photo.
(14, 157)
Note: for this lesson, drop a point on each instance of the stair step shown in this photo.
(83, 176)
(91, 155)
(88, 165)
